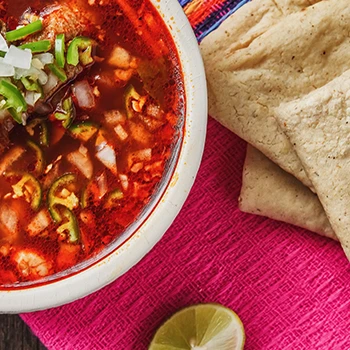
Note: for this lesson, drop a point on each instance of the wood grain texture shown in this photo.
(16, 335)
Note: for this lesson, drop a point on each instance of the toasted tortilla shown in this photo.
(269, 191)
(318, 125)
(271, 52)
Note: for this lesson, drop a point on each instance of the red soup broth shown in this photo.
(94, 150)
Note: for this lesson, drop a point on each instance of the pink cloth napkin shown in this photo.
(290, 287)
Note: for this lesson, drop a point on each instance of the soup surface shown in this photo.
(91, 106)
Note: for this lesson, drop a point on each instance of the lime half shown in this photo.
(201, 327)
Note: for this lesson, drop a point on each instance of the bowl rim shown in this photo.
(98, 275)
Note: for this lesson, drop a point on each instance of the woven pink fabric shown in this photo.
(290, 287)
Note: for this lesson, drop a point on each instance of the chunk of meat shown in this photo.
(6, 125)
(64, 18)
(31, 264)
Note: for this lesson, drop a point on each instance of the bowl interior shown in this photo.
(142, 235)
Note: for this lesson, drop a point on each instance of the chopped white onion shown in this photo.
(83, 150)
(107, 157)
(6, 70)
(51, 83)
(124, 181)
(120, 131)
(3, 44)
(18, 58)
(32, 97)
(81, 160)
(143, 154)
(84, 94)
(45, 58)
(102, 185)
(36, 63)
(9, 218)
(33, 73)
(114, 117)
(43, 78)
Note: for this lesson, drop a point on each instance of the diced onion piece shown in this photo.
(102, 185)
(18, 58)
(137, 167)
(100, 141)
(32, 97)
(43, 78)
(9, 218)
(82, 161)
(141, 155)
(114, 117)
(83, 150)
(40, 222)
(120, 58)
(5, 249)
(45, 58)
(6, 70)
(36, 63)
(33, 73)
(83, 92)
(124, 181)
(107, 157)
(120, 131)
(51, 83)
(3, 44)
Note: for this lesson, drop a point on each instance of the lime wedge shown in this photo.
(201, 327)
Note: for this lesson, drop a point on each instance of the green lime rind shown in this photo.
(207, 326)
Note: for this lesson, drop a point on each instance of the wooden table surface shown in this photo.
(16, 335)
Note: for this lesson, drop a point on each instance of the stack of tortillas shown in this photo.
(279, 77)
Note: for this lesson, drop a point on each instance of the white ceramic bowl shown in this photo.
(167, 203)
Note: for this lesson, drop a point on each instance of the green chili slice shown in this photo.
(31, 85)
(70, 226)
(2, 54)
(80, 50)
(113, 198)
(130, 95)
(60, 49)
(15, 102)
(70, 202)
(84, 130)
(22, 32)
(29, 186)
(37, 46)
(43, 128)
(59, 72)
(40, 160)
(67, 113)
